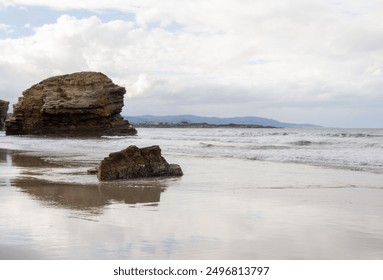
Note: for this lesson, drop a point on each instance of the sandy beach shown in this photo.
(220, 209)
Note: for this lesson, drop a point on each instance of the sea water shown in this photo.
(245, 194)
(353, 149)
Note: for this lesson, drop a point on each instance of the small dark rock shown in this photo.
(134, 162)
(92, 171)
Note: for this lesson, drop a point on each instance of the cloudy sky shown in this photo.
(302, 61)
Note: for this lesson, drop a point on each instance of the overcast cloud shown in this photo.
(303, 61)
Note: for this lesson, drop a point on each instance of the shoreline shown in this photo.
(45, 161)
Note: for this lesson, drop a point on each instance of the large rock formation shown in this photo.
(78, 104)
(3, 112)
(134, 162)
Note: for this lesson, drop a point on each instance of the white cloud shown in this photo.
(141, 86)
(6, 28)
(267, 54)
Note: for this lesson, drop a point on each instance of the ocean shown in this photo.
(246, 194)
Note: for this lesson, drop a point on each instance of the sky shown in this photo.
(300, 61)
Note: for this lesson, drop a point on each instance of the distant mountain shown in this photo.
(214, 121)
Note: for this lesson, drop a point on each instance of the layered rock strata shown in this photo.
(134, 162)
(3, 113)
(78, 104)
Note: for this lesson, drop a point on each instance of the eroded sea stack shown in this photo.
(78, 104)
(3, 112)
(134, 162)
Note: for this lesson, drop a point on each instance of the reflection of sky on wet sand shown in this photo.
(7, 171)
(220, 209)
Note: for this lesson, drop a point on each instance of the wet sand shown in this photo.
(220, 209)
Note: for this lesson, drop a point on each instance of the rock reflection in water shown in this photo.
(25, 160)
(76, 195)
(89, 197)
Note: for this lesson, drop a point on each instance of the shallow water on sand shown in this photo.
(222, 208)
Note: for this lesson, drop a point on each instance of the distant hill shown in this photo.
(213, 120)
